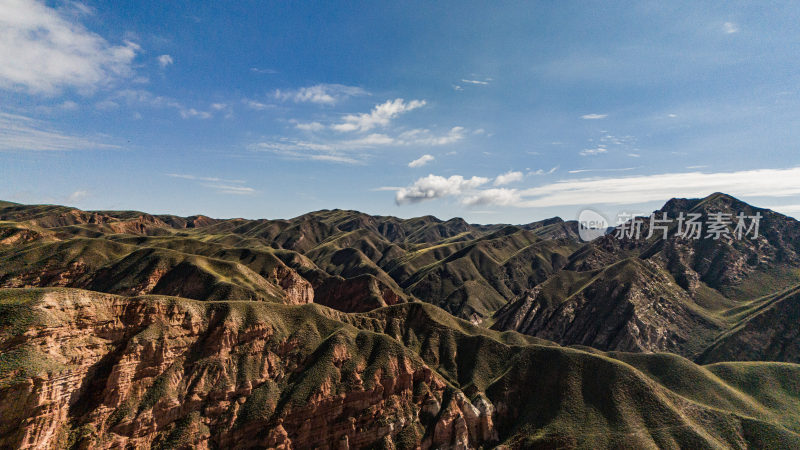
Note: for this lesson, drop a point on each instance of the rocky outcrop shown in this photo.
(631, 306)
(155, 372)
(80, 369)
(357, 294)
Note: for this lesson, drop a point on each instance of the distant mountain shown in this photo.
(343, 259)
(337, 329)
(676, 294)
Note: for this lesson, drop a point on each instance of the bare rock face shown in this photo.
(631, 306)
(298, 290)
(151, 371)
(358, 294)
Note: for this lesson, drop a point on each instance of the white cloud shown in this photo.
(230, 189)
(594, 116)
(434, 186)
(593, 151)
(335, 158)
(613, 191)
(380, 115)
(77, 196)
(20, 133)
(495, 196)
(730, 28)
(789, 210)
(164, 60)
(648, 188)
(478, 82)
(325, 94)
(624, 169)
(144, 97)
(263, 71)
(187, 113)
(258, 106)
(507, 178)
(199, 178)
(310, 126)
(221, 185)
(354, 150)
(106, 105)
(421, 161)
(43, 52)
(306, 150)
(424, 137)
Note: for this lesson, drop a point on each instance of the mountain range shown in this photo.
(338, 329)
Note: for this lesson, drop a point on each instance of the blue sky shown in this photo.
(500, 112)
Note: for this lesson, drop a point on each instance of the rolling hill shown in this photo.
(337, 329)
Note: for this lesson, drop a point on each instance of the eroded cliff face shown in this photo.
(81, 369)
(632, 306)
(146, 371)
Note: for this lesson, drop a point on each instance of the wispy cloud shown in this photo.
(77, 196)
(309, 126)
(614, 191)
(542, 171)
(231, 189)
(730, 28)
(623, 169)
(355, 151)
(147, 98)
(477, 82)
(221, 185)
(594, 116)
(593, 151)
(508, 178)
(325, 94)
(256, 105)
(789, 210)
(199, 178)
(380, 115)
(496, 196)
(187, 113)
(646, 188)
(21, 133)
(43, 52)
(421, 161)
(263, 71)
(164, 60)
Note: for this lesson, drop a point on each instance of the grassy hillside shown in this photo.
(242, 370)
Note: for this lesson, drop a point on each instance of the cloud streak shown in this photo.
(356, 150)
(322, 94)
(421, 161)
(508, 178)
(612, 191)
(221, 185)
(380, 115)
(43, 52)
(21, 133)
